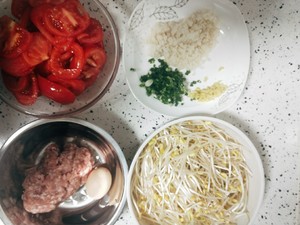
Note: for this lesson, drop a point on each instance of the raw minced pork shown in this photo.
(56, 177)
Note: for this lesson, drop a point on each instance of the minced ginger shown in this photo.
(209, 93)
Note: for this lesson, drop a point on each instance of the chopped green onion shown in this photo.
(168, 85)
(152, 60)
(195, 82)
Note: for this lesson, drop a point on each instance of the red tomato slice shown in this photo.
(66, 19)
(15, 38)
(18, 7)
(16, 66)
(35, 3)
(66, 63)
(75, 85)
(15, 84)
(54, 91)
(93, 34)
(95, 58)
(38, 51)
(37, 18)
(42, 69)
(90, 81)
(29, 95)
(25, 19)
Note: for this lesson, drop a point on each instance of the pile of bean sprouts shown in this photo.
(192, 172)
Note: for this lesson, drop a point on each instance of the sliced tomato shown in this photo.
(18, 7)
(16, 66)
(90, 81)
(3, 35)
(67, 63)
(35, 3)
(93, 34)
(77, 86)
(54, 91)
(37, 18)
(95, 58)
(24, 21)
(63, 43)
(42, 69)
(66, 19)
(15, 39)
(38, 51)
(29, 95)
(15, 84)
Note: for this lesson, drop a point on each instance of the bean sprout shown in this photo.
(192, 172)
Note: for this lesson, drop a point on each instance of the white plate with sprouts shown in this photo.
(224, 60)
(196, 170)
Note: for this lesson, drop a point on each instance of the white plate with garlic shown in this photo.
(206, 39)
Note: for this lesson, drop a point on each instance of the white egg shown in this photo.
(98, 183)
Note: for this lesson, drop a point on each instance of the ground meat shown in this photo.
(56, 177)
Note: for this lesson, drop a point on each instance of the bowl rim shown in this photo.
(229, 126)
(72, 111)
(84, 123)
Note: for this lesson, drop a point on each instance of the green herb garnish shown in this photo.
(152, 60)
(195, 82)
(166, 84)
(132, 69)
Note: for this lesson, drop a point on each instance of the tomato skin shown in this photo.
(29, 95)
(95, 58)
(15, 39)
(56, 92)
(15, 84)
(93, 34)
(77, 86)
(18, 7)
(69, 67)
(37, 18)
(35, 3)
(24, 21)
(67, 19)
(38, 51)
(90, 81)
(16, 66)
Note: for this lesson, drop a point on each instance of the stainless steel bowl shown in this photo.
(23, 149)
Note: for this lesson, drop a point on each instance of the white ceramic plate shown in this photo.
(231, 53)
(256, 180)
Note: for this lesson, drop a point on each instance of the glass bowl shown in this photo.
(45, 108)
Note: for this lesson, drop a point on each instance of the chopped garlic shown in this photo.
(209, 93)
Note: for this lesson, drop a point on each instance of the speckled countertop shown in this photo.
(268, 111)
